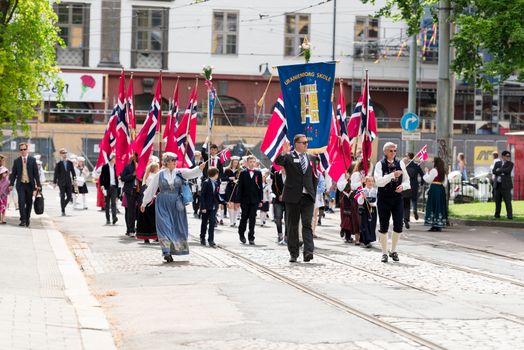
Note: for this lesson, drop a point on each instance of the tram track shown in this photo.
(333, 301)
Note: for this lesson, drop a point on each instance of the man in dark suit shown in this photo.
(131, 190)
(503, 184)
(65, 178)
(299, 194)
(209, 206)
(109, 182)
(249, 191)
(25, 173)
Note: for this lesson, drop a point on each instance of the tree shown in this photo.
(488, 27)
(28, 40)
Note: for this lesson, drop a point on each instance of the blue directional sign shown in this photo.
(409, 122)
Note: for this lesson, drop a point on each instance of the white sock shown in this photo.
(383, 238)
(394, 241)
(232, 216)
(83, 200)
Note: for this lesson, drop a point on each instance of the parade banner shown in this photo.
(306, 90)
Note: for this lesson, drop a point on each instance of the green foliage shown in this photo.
(28, 39)
(485, 211)
(495, 27)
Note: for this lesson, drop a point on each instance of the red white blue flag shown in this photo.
(186, 133)
(130, 105)
(225, 155)
(107, 144)
(423, 153)
(123, 138)
(143, 144)
(276, 131)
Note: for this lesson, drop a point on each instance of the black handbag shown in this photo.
(39, 203)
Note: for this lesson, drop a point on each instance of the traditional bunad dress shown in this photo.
(436, 210)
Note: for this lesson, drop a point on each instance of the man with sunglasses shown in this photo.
(392, 179)
(300, 189)
(25, 173)
(65, 178)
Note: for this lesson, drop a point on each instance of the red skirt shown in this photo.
(100, 200)
(349, 214)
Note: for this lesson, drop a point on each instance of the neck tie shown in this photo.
(303, 162)
(24, 160)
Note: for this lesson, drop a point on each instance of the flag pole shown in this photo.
(160, 120)
(209, 125)
(340, 141)
(188, 124)
(133, 130)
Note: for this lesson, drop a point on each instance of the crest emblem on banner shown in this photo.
(309, 103)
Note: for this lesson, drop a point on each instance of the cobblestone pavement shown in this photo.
(455, 309)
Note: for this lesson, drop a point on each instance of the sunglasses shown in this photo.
(23, 149)
(393, 151)
(304, 142)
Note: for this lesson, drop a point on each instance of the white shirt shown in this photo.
(112, 175)
(382, 180)
(169, 175)
(357, 178)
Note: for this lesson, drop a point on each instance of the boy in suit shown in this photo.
(25, 173)
(209, 206)
(65, 178)
(249, 189)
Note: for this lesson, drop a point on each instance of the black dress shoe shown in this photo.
(243, 240)
(21, 224)
(394, 256)
(384, 258)
(308, 257)
(406, 224)
(108, 222)
(115, 219)
(212, 244)
(251, 242)
(415, 215)
(202, 242)
(293, 259)
(168, 258)
(27, 223)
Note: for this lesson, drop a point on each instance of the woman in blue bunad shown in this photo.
(171, 217)
(436, 208)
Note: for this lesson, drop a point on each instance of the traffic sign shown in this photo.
(411, 136)
(409, 122)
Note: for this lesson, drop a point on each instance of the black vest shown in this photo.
(389, 189)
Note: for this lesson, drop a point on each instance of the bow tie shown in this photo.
(251, 170)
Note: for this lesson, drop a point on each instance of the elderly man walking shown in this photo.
(391, 178)
(300, 189)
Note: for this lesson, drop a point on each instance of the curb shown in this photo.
(491, 223)
(94, 327)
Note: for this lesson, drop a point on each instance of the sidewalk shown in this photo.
(44, 299)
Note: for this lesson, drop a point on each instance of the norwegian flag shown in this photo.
(130, 105)
(337, 167)
(107, 144)
(423, 153)
(123, 139)
(225, 155)
(186, 133)
(172, 125)
(368, 124)
(341, 121)
(359, 193)
(143, 144)
(276, 131)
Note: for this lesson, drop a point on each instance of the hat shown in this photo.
(3, 169)
(506, 153)
(235, 158)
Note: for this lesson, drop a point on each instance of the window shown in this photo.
(150, 28)
(73, 21)
(225, 33)
(366, 37)
(297, 27)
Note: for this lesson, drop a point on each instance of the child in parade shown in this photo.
(266, 198)
(4, 192)
(368, 212)
(209, 199)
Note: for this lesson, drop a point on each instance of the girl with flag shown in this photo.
(436, 209)
(368, 212)
(145, 221)
(171, 217)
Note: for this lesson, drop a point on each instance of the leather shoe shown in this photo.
(212, 244)
(108, 222)
(394, 256)
(251, 242)
(293, 259)
(243, 239)
(27, 223)
(406, 224)
(308, 257)
(202, 242)
(115, 219)
(21, 224)
(384, 258)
